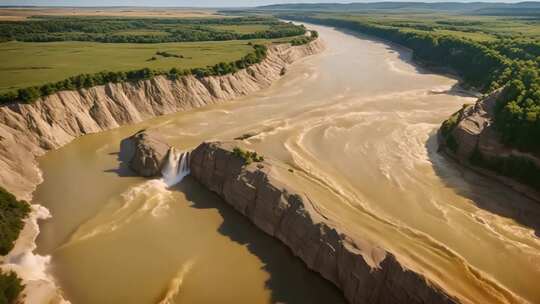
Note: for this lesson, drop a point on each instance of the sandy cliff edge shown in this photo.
(30, 130)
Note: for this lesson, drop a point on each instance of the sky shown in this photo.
(189, 3)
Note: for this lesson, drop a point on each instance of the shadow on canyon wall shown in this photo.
(290, 280)
(484, 192)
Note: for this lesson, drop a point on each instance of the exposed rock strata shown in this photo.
(474, 131)
(29, 130)
(258, 193)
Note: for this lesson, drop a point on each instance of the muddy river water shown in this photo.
(357, 124)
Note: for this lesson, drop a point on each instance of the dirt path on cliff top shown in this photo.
(357, 126)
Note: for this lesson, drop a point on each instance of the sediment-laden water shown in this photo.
(357, 124)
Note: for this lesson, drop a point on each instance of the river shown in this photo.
(357, 125)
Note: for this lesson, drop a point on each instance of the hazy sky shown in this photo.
(190, 3)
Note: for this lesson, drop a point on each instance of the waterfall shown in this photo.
(176, 168)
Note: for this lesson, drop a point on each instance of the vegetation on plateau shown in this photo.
(85, 81)
(305, 39)
(33, 64)
(247, 156)
(518, 168)
(525, 8)
(12, 214)
(447, 128)
(35, 69)
(145, 30)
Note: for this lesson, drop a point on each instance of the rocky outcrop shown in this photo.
(365, 274)
(471, 133)
(146, 152)
(29, 130)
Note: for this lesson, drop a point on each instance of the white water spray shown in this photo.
(149, 197)
(176, 168)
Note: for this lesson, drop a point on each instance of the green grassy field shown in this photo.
(49, 49)
(25, 64)
(241, 29)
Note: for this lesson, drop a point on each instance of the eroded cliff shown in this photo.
(29, 130)
(469, 136)
(365, 274)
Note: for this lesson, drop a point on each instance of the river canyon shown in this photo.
(355, 129)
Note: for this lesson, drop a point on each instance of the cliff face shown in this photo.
(29, 130)
(365, 275)
(470, 134)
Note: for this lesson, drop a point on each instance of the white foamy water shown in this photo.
(175, 285)
(151, 197)
(176, 168)
(31, 267)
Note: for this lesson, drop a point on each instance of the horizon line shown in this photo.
(247, 6)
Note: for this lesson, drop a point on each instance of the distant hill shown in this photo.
(484, 8)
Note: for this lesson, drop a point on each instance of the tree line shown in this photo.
(12, 215)
(518, 111)
(126, 30)
(85, 81)
(10, 287)
(486, 66)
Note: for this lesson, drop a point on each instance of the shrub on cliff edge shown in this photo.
(247, 156)
(447, 127)
(12, 213)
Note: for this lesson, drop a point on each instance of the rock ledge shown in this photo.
(259, 194)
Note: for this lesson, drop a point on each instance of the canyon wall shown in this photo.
(365, 273)
(29, 130)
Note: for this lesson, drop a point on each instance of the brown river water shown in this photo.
(357, 124)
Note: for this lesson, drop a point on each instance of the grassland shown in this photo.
(241, 29)
(48, 49)
(27, 64)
